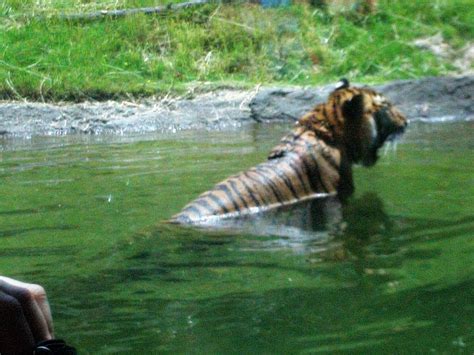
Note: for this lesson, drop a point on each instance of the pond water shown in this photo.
(83, 216)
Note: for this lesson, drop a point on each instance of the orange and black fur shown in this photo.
(315, 159)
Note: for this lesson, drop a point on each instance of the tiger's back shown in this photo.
(310, 170)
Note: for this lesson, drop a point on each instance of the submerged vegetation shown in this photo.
(44, 57)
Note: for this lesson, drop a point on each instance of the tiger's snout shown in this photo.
(390, 123)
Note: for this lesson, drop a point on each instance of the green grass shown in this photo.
(47, 58)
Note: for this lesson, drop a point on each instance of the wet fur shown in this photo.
(315, 158)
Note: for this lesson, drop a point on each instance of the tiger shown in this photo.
(314, 160)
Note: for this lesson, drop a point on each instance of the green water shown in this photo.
(81, 215)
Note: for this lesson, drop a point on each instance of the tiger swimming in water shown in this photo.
(315, 159)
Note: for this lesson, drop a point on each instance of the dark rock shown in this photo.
(433, 98)
(430, 98)
(276, 104)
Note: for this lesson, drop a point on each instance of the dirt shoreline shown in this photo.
(430, 99)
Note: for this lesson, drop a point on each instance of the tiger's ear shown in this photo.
(342, 84)
(354, 108)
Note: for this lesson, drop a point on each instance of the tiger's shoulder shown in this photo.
(327, 121)
(321, 122)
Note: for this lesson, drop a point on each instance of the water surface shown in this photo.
(83, 216)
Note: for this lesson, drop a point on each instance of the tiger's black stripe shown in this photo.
(271, 184)
(250, 192)
(237, 193)
(299, 176)
(277, 178)
(311, 178)
(327, 155)
(317, 174)
(262, 196)
(309, 148)
(202, 202)
(286, 180)
(223, 187)
(218, 202)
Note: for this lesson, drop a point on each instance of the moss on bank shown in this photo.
(240, 44)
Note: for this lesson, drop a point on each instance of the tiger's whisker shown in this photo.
(387, 147)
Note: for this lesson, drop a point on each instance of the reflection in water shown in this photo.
(300, 227)
(323, 226)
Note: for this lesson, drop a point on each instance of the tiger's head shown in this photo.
(369, 120)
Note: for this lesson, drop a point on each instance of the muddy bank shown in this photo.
(216, 110)
(428, 99)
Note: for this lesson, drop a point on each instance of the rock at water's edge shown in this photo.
(431, 98)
